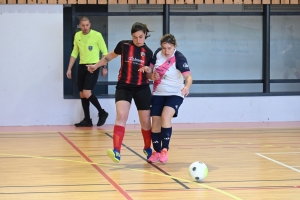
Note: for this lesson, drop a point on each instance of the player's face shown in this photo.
(167, 49)
(138, 38)
(85, 26)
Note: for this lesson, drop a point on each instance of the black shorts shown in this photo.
(159, 102)
(85, 79)
(141, 96)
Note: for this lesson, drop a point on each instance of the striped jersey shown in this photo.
(171, 72)
(132, 59)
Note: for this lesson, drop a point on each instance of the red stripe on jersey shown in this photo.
(129, 65)
(121, 68)
(140, 74)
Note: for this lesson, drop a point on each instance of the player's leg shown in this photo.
(157, 104)
(86, 122)
(142, 99)
(89, 84)
(123, 101)
(156, 138)
(170, 110)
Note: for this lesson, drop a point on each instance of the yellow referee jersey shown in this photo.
(89, 47)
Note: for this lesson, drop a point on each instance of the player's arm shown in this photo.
(102, 45)
(188, 83)
(103, 62)
(73, 58)
(188, 80)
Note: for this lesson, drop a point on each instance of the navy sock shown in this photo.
(156, 141)
(165, 137)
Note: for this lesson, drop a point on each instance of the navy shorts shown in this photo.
(159, 102)
(85, 79)
(140, 94)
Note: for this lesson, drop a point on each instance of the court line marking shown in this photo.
(110, 180)
(280, 163)
(155, 166)
(280, 153)
(131, 169)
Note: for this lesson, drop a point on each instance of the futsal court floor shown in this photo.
(249, 161)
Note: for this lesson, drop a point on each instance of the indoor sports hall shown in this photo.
(241, 117)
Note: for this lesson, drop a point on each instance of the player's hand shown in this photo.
(104, 71)
(185, 91)
(91, 68)
(69, 74)
(155, 76)
(145, 69)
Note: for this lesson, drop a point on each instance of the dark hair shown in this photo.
(137, 26)
(84, 18)
(168, 38)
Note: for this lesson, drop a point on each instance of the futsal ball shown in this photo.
(198, 171)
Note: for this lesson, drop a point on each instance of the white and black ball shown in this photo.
(198, 171)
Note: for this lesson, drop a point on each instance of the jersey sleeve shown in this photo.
(75, 50)
(154, 58)
(181, 63)
(102, 45)
(149, 58)
(118, 48)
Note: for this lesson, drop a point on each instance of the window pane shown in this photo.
(119, 28)
(285, 47)
(226, 88)
(220, 47)
(285, 87)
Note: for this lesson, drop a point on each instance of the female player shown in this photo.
(132, 84)
(170, 69)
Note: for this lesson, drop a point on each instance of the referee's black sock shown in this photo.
(86, 108)
(93, 99)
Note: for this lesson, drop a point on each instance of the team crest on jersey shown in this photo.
(185, 65)
(142, 54)
(90, 48)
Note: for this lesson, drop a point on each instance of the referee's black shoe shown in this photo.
(102, 118)
(84, 123)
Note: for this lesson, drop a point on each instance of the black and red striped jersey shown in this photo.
(132, 59)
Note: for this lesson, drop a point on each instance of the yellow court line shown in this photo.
(137, 170)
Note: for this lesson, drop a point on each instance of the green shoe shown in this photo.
(114, 155)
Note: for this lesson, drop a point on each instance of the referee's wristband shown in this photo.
(104, 66)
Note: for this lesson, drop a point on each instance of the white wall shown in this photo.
(31, 80)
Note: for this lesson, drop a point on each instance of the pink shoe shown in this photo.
(154, 157)
(163, 155)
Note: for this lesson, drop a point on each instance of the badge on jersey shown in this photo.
(90, 48)
(185, 65)
(142, 54)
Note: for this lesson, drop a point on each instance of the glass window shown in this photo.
(221, 47)
(285, 49)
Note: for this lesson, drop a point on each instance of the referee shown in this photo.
(88, 43)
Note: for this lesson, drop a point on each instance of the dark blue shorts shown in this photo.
(159, 102)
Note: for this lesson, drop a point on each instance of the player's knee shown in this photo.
(86, 94)
(81, 95)
(122, 117)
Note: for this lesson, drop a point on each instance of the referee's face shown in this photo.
(85, 26)
(167, 49)
(138, 38)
